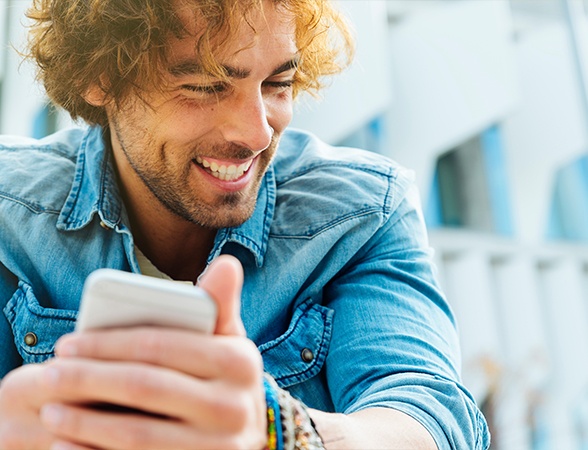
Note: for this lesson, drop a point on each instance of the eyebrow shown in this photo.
(185, 68)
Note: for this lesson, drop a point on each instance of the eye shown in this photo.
(279, 86)
(206, 89)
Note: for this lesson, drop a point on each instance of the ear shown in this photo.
(95, 96)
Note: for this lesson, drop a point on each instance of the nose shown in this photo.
(246, 122)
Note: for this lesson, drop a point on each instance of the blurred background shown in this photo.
(487, 101)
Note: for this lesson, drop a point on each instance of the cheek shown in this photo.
(190, 121)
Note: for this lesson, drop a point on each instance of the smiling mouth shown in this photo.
(229, 172)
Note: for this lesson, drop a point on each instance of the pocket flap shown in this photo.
(300, 353)
(35, 328)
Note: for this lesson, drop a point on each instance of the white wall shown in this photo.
(548, 128)
(453, 75)
(22, 99)
(3, 8)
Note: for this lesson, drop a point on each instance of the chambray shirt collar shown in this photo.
(253, 234)
(95, 190)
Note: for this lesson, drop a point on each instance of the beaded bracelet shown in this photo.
(275, 440)
(294, 429)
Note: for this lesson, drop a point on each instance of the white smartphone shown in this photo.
(113, 298)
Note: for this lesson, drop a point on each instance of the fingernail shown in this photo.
(52, 414)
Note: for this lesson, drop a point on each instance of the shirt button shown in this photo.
(104, 225)
(31, 339)
(307, 355)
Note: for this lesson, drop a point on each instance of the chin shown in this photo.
(223, 219)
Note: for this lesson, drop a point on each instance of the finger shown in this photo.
(22, 387)
(99, 429)
(185, 351)
(223, 280)
(66, 445)
(159, 391)
(22, 393)
(24, 434)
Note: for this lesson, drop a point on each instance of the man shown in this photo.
(188, 158)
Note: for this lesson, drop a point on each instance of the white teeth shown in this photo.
(225, 173)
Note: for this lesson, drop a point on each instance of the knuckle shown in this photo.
(90, 347)
(72, 423)
(232, 410)
(150, 346)
(18, 434)
(16, 381)
(241, 442)
(9, 439)
(22, 385)
(8, 386)
(255, 359)
(141, 385)
(8, 379)
(243, 361)
(233, 443)
(67, 376)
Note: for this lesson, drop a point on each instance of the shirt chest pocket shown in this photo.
(35, 328)
(300, 353)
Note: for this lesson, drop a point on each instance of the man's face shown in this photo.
(202, 147)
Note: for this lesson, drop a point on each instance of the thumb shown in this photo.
(223, 280)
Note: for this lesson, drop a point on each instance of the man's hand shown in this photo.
(181, 389)
(22, 393)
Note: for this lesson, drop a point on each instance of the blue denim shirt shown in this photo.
(336, 261)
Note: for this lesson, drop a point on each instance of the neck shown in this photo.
(179, 250)
(174, 245)
(177, 247)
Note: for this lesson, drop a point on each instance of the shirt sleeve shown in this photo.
(394, 340)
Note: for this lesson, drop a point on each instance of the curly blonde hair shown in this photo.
(78, 44)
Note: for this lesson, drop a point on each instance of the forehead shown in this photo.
(249, 24)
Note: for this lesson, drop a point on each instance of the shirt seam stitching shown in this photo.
(334, 223)
(33, 207)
